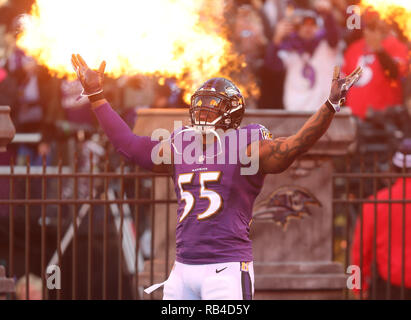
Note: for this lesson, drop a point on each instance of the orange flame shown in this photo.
(169, 38)
(393, 10)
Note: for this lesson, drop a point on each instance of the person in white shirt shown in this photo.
(305, 45)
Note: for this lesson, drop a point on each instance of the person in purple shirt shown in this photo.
(215, 188)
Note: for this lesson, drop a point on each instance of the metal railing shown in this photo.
(44, 214)
(369, 180)
(90, 224)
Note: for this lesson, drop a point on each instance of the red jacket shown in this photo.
(374, 87)
(382, 237)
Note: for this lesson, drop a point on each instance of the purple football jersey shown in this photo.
(215, 199)
(215, 202)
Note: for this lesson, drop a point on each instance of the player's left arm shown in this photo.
(277, 155)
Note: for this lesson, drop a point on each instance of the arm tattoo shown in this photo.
(286, 149)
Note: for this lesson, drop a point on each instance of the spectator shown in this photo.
(307, 53)
(407, 102)
(407, 89)
(164, 95)
(268, 12)
(8, 88)
(272, 81)
(272, 11)
(29, 112)
(35, 288)
(10, 9)
(31, 93)
(250, 41)
(161, 96)
(382, 235)
(384, 60)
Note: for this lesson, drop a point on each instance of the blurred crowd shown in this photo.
(290, 48)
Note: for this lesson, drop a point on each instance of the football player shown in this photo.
(215, 201)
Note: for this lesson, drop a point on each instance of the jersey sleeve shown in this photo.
(251, 167)
(137, 149)
(257, 132)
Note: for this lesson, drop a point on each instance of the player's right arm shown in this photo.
(137, 149)
(277, 155)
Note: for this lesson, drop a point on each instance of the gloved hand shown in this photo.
(91, 80)
(340, 87)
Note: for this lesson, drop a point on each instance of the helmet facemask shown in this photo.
(210, 110)
(217, 104)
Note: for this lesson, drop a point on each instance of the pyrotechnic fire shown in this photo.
(170, 38)
(393, 10)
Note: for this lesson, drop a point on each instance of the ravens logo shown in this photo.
(285, 203)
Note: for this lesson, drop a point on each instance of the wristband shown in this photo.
(333, 107)
(96, 97)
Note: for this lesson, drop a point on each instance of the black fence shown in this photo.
(96, 221)
(89, 224)
(372, 211)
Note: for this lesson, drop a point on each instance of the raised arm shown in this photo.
(278, 154)
(137, 149)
